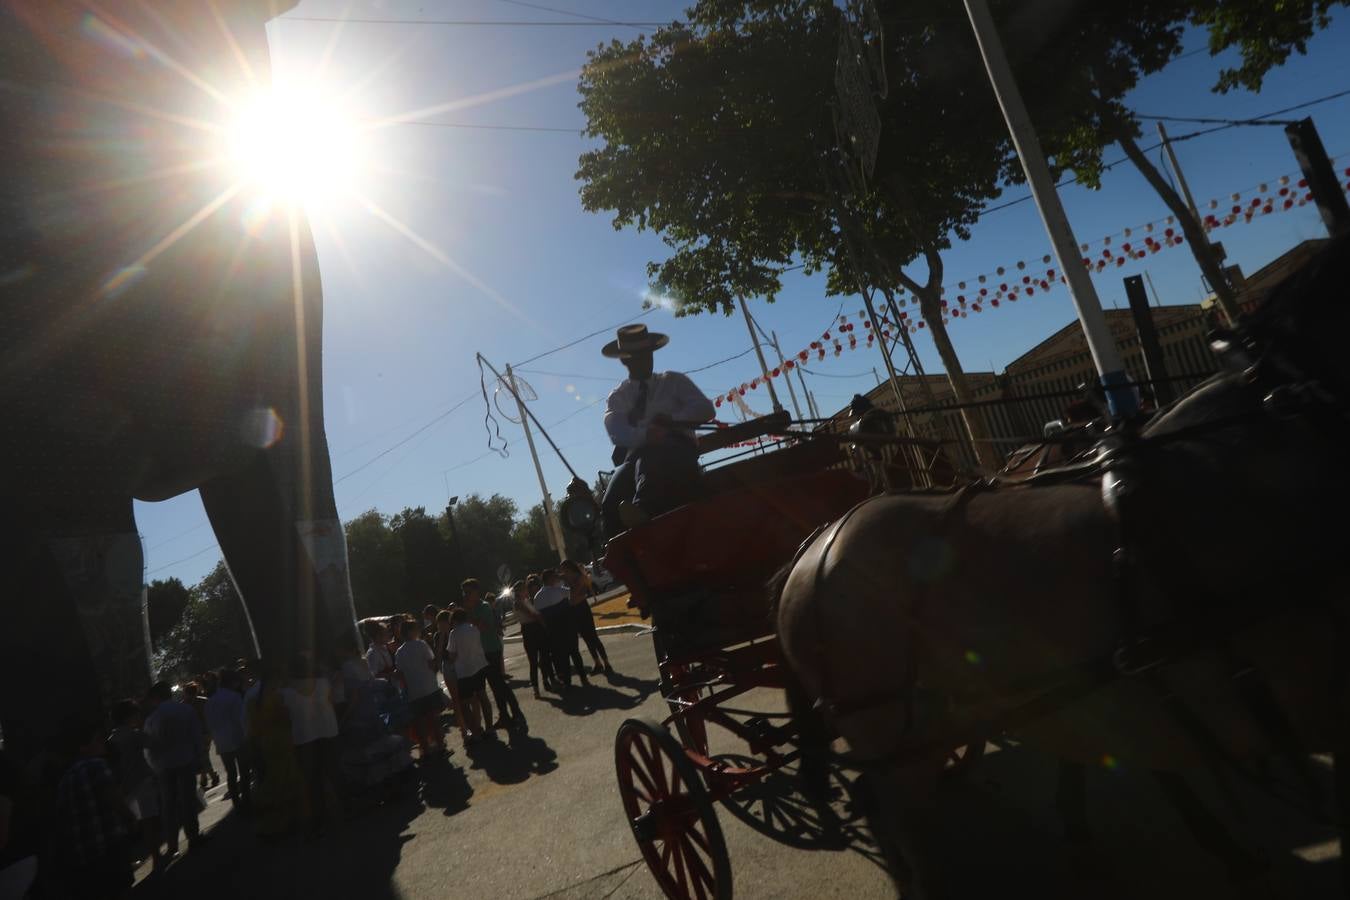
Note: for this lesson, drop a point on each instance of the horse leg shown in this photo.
(903, 819)
(1245, 870)
(814, 741)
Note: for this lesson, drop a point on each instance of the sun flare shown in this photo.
(297, 146)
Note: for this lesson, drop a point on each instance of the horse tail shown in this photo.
(813, 734)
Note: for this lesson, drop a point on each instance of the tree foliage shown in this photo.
(212, 631)
(1264, 32)
(166, 600)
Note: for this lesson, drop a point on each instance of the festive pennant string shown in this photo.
(1006, 284)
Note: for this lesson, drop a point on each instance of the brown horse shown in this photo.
(1177, 608)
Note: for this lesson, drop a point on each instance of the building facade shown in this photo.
(1039, 385)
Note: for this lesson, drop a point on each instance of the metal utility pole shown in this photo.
(457, 556)
(551, 523)
(1322, 181)
(782, 367)
(806, 393)
(1154, 363)
(1181, 178)
(759, 352)
(1120, 395)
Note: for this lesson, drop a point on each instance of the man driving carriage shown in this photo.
(650, 418)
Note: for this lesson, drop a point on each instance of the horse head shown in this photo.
(1298, 336)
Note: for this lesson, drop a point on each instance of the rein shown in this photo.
(1292, 395)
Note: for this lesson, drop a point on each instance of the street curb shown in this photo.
(628, 628)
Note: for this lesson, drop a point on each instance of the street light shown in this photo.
(454, 542)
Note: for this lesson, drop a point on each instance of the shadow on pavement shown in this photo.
(999, 834)
(355, 858)
(514, 760)
(444, 785)
(778, 808)
(583, 700)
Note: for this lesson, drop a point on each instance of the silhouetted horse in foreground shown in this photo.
(1180, 605)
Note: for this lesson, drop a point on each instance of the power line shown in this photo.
(609, 378)
(385, 452)
(1227, 123)
(475, 127)
(565, 12)
(469, 23)
(1255, 120)
(586, 337)
(713, 365)
(831, 374)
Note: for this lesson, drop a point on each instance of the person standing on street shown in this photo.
(225, 721)
(93, 822)
(484, 618)
(551, 601)
(579, 593)
(418, 664)
(175, 748)
(533, 636)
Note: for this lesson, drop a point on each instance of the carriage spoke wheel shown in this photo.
(692, 729)
(672, 817)
(961, 760)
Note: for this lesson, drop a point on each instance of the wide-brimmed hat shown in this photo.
(633, 340)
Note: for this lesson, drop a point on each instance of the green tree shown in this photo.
(166, 599)
(532, 552)
(376, 566)
(718, 135)
(483, 528)
(1265, 34)
(1096, 53)
(426, 558)
(212, 631)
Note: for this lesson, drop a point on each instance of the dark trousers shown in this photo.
(656, 478)
(562, 642)
(496, 679)
(178, 803)
(238, 774)
(316, 762)
(535, 639)
(585, 624)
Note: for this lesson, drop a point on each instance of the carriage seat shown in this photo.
(701, 570)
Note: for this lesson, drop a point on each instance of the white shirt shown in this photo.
(465, 647)
(312, 714)
(225, 719)
(414, 661)
(550, 595)
(379, 659)
(668, 393)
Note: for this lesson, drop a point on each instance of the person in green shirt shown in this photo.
(484, 618)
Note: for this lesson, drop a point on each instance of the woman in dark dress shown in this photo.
(580, 591)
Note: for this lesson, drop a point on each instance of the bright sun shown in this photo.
(297, 146)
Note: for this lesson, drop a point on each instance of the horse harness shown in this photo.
(1118, 461)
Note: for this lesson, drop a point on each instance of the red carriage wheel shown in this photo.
(692, 729)
(961, 760)
(673, 820)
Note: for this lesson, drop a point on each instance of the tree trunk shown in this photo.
(1194, 233)
(930, 307)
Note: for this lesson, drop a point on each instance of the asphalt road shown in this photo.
(540, 817)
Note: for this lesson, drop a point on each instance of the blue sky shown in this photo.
(478, 242)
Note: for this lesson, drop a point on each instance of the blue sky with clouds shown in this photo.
(463, 240)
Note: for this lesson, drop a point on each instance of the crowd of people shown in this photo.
(296, 740)
(463, 644)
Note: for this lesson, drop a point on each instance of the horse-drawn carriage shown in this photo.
(1120, 604)
(701, 573)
